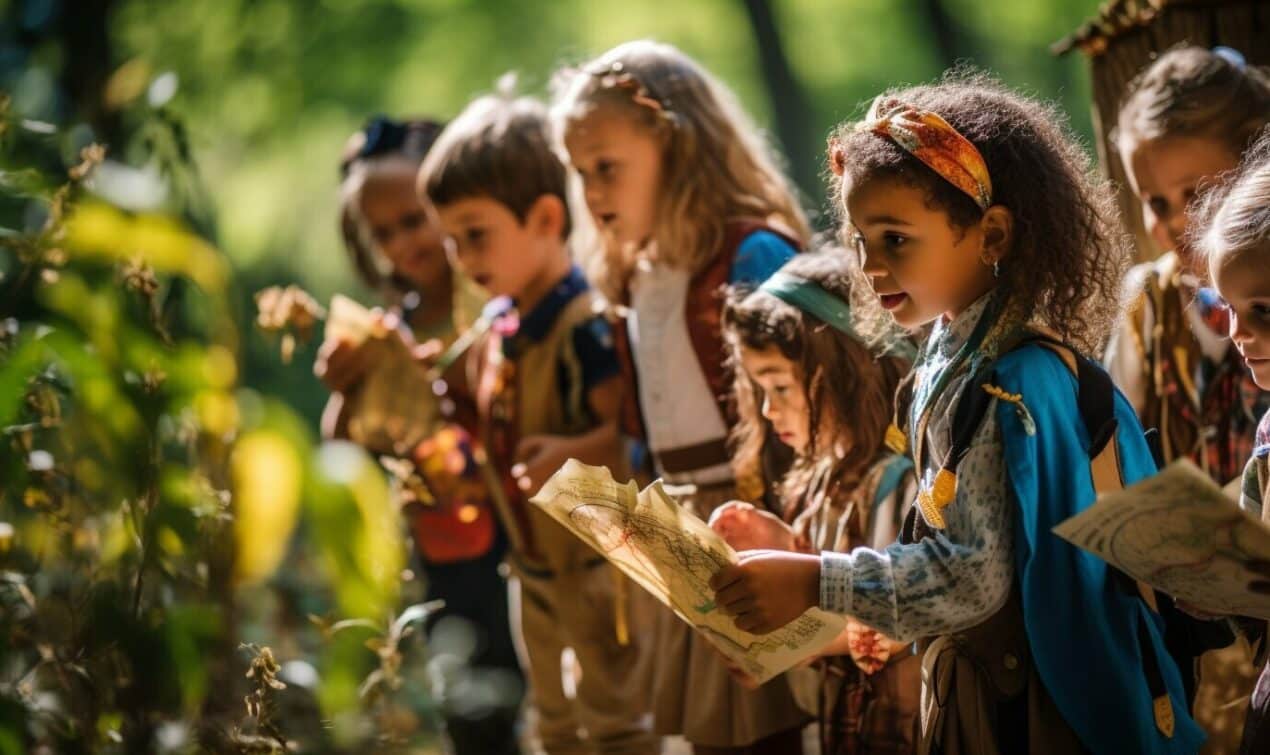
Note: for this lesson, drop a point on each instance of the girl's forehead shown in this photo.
(765, 361)
(882, 200)
(1243, 275)
(599, 122)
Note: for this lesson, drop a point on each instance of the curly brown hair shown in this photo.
(849, 382)
(1068, 251)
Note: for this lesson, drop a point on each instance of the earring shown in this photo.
(994, 264)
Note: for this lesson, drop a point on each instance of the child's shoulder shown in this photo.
(1043, 382)
(592, 340)
(1035, 366)
(760, 252)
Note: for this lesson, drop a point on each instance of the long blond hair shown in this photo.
(716, 166)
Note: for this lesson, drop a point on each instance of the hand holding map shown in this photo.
(393, 407)
(672, 554)
(1180, 533)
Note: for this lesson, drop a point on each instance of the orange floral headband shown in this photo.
(931, 139)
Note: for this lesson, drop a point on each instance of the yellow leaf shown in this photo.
(96, 229)
(217, 412)
(126, 83)
(267, 474)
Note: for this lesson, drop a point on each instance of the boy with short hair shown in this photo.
(546, 384)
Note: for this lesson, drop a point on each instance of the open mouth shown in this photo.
(607, 218)
(892, 301)
(483, 279)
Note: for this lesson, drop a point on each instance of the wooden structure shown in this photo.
(1127, 35)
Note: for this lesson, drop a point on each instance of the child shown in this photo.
(397, 251)
(821, 362)
(1031, 645)
(1235, 241)
(547, 388)
(1187, 119)
(686, 198)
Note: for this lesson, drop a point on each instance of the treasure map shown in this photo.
(673, 554)
(393, 409)
(1180, 533)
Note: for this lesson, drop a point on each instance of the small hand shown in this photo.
(767, 589)
(746, 527)
(537, 458)
(341, 365)
(869, 648)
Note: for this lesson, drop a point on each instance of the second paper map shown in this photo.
(673, 554)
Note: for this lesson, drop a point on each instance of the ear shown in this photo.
(546, 217)
(997, 231)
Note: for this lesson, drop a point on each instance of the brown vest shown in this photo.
(520, 397)
(1214, 428)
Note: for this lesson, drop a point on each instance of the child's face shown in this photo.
(1165, 175)
(494, 248)
(401, 230)
(784, 400)
(920, 265)
(1244, 283)
(619, 163)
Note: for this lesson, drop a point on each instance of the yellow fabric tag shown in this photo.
(896, 440)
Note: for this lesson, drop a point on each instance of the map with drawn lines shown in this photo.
(673, 554)
(1180, 533)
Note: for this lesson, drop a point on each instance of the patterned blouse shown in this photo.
(1256, 481)
(963, 575)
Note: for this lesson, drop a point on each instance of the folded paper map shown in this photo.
(673, 554)
(393, 409)
(1180, 533)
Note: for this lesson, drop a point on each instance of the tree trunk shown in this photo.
(791, 113)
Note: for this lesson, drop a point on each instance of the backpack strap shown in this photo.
(1095, 401)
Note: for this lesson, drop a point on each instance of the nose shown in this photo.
(591, 193)
(453, 254)
(768, 411)
(870, 264)
(396, 246)
(1239, 332)
(1177, 226)
(1166, 229)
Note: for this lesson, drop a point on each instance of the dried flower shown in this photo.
(139, 276)
(89, 158)
(291, 311)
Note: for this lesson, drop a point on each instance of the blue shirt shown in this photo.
(758, 256)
